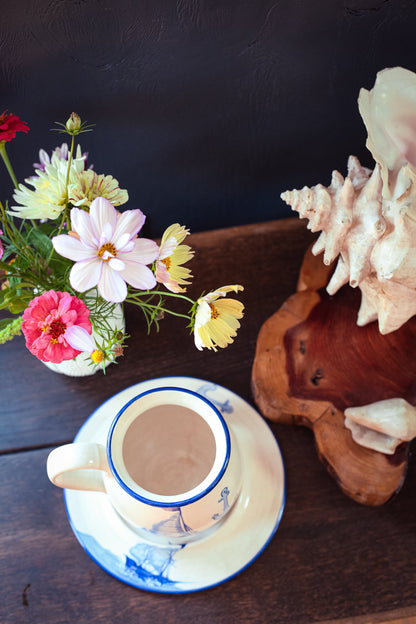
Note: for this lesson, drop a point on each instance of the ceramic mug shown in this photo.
(171, 467)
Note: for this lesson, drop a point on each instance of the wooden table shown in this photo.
(331, 560)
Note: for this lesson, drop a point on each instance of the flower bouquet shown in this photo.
(69, 261)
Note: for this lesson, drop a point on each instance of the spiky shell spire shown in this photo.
(373, 237)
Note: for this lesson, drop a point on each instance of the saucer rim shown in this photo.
(173, 591)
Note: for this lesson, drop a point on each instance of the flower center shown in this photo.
(166, 262)
(214, 312)
(107, 251)
(97, 356)
(55, 329)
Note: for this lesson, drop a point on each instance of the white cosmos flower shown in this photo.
(78, 338)
(106, 251)
(389, 114)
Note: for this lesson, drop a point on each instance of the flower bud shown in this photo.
(73, 124)
(118, 350)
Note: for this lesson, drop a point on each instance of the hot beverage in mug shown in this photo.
(168, 450)
(170, 467)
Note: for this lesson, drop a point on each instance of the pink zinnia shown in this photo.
(46, 320)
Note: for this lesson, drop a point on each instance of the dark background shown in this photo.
(205, 110)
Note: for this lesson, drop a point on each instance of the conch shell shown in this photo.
(374, 238)
(383, 425)
(388, 111)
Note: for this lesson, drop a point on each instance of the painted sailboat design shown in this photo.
(146, 563)
(174, 525)
(151, 563)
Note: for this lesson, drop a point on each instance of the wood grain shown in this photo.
(330, 559)
(398, 616)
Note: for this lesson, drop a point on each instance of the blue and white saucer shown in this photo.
(244, 534)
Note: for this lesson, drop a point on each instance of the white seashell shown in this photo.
(373, 236)
(383, 425)
(388, 111)
(394, 303)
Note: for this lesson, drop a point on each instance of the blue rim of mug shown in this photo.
(175, 503)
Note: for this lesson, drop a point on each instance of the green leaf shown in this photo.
(15, 299)
(18, 305)
(5, 322)
(4, 266)
(41, 242)
(8, 294)
(60, 267)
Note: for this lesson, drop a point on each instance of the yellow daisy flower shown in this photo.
(216, 321)
(172, 255)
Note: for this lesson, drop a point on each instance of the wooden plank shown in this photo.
(330, 558)
(398, 616)
(40, 407)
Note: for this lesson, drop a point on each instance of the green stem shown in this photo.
(185, 316)
(65, 217)
(69, 165)
(6, 161)
(131, 298)
(161, 309)
(10, 170)
(11, 231)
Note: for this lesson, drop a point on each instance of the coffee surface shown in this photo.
(168, 450)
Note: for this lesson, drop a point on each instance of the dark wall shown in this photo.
(205, 110)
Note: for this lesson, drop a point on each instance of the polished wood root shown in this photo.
(312, 362)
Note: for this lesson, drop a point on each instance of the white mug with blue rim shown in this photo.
(171, 466)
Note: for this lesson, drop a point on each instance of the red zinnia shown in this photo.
(9, 125)
(46, 320)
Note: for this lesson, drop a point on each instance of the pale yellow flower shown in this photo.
(172, 255)
(90, 185)
(49, 197)
(216, 319)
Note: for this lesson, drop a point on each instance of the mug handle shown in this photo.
(78, 466)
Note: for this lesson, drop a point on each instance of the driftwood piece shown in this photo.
(312, 362)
